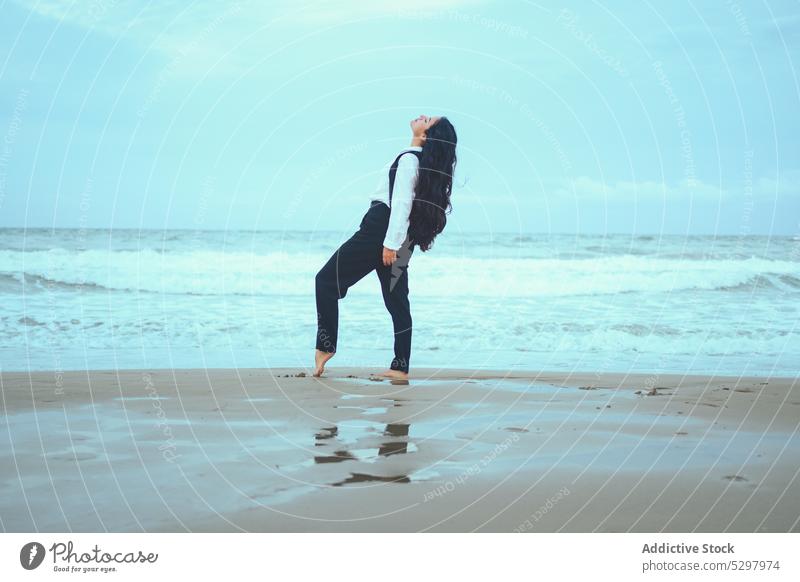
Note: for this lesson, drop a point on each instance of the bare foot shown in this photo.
(394, 375)
(320, 358)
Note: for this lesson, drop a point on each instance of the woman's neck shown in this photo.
(416, 141)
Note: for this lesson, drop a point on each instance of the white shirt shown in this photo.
(402, 196)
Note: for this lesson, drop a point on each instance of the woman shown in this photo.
(409, 211)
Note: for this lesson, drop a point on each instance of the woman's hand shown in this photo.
(389, 256)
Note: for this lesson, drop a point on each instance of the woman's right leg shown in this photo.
(394, 286)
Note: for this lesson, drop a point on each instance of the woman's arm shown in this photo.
(402, 197)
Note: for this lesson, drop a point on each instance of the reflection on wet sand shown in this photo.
(363, 477)
(390, 447)
(395, 447)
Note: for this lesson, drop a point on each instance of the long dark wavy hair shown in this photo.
(434, 184)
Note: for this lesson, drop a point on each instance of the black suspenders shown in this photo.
(393, 170)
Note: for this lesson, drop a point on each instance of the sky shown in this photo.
(583, 117)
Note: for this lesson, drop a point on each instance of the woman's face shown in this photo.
(421, 124)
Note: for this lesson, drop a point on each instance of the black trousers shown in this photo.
(358, 256)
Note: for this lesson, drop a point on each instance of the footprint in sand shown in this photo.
(73, 457)
(734, 478)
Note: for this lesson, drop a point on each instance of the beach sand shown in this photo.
(453, 450)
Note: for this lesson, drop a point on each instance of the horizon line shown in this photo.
(273, 230)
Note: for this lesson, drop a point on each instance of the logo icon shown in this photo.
(401, 263)
(31, 555)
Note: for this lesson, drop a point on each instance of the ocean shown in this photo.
(100, 299)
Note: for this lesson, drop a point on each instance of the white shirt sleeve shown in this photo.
(380, 192)
(402, 197)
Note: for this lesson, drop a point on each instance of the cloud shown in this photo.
(203, 37)
(787, 183)
(170, 24)
(585, 187)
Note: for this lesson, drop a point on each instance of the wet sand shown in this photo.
(453, 450)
